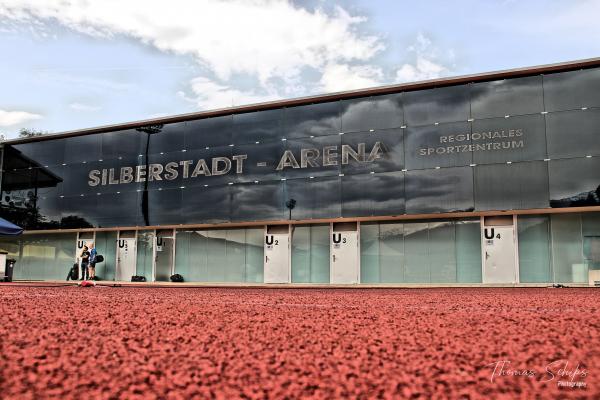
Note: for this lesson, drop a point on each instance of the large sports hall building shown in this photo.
(484, 179)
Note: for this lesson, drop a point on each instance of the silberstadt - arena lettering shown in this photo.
(217, 166)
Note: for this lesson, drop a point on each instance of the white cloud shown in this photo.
(425, 65)
(338, 77)
(209, 94)
(10, 118)
(422, 69)
(265, 38)
(83, 107)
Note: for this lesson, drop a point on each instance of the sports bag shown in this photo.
(99, 258)
(176, 278)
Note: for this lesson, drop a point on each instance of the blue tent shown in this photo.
(9, 229)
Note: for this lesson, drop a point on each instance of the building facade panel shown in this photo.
(491, 146)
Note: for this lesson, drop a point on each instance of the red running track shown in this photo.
(228, 343)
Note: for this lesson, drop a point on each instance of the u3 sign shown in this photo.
(338, 240)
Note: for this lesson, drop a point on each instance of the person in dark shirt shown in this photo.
(85, 262)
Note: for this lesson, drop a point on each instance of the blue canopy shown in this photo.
(9, 229)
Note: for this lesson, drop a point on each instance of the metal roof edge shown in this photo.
(322, 98)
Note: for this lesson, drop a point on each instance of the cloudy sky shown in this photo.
(70, 64)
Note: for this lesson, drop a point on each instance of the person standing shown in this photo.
(92, 260)
(85, 261)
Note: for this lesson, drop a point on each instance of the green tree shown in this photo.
(28, 132)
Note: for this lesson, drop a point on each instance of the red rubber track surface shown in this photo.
(175, 343)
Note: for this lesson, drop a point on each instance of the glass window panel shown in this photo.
(373, 194)
(447, 104)
(164, 207)
(216, 255)
(515, 96)
(519, 138)
(183, 266)
(573, 133)
(312, 119)
(575, 182)
(571, 90)
(106, 245)
(262, 161)
(83, 148)
(568, 263)
(442, 256)
(383, 151)
(191, 256)
(164, 138)
(468, 251)
(319, 255)
(534, 249)
(119, 209)
(315, 198)
(318, 145)
(254, 255)
(378, 112)
(357, 114)
(145, 254)
(258, 201)
(235, 265)
(206, 204)
(40, 154)
(222, 174)
(443, 145)
(391, 252)
(511, 186)
(301, 254)
(211, 132)
(439, 190)
(369, 253)
(126, 144)
(416, 250)
(262, 126)
(310, 254)
(43, 256)
(79, 211)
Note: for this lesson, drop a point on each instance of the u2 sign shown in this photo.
(270, 241)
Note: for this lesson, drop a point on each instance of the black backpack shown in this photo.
(176, 278)
(73, 272)
(138, 278)
(99, 258)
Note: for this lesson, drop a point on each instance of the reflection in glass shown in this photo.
(373, 194)
(443, 145)
(322, 157)
(519, 138)
(514, 186)
(312, 119)
(315, 198)
(379, 151)
(572, 90)
(534, 248)
(515, 96)
(447, 104)
(258, 201)
(575, 182)
(573, 133)
(214, 131)
(372, 113)
(567, 244)
(262, 126)
(310, 254)
(224, 255)
(439, 190)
